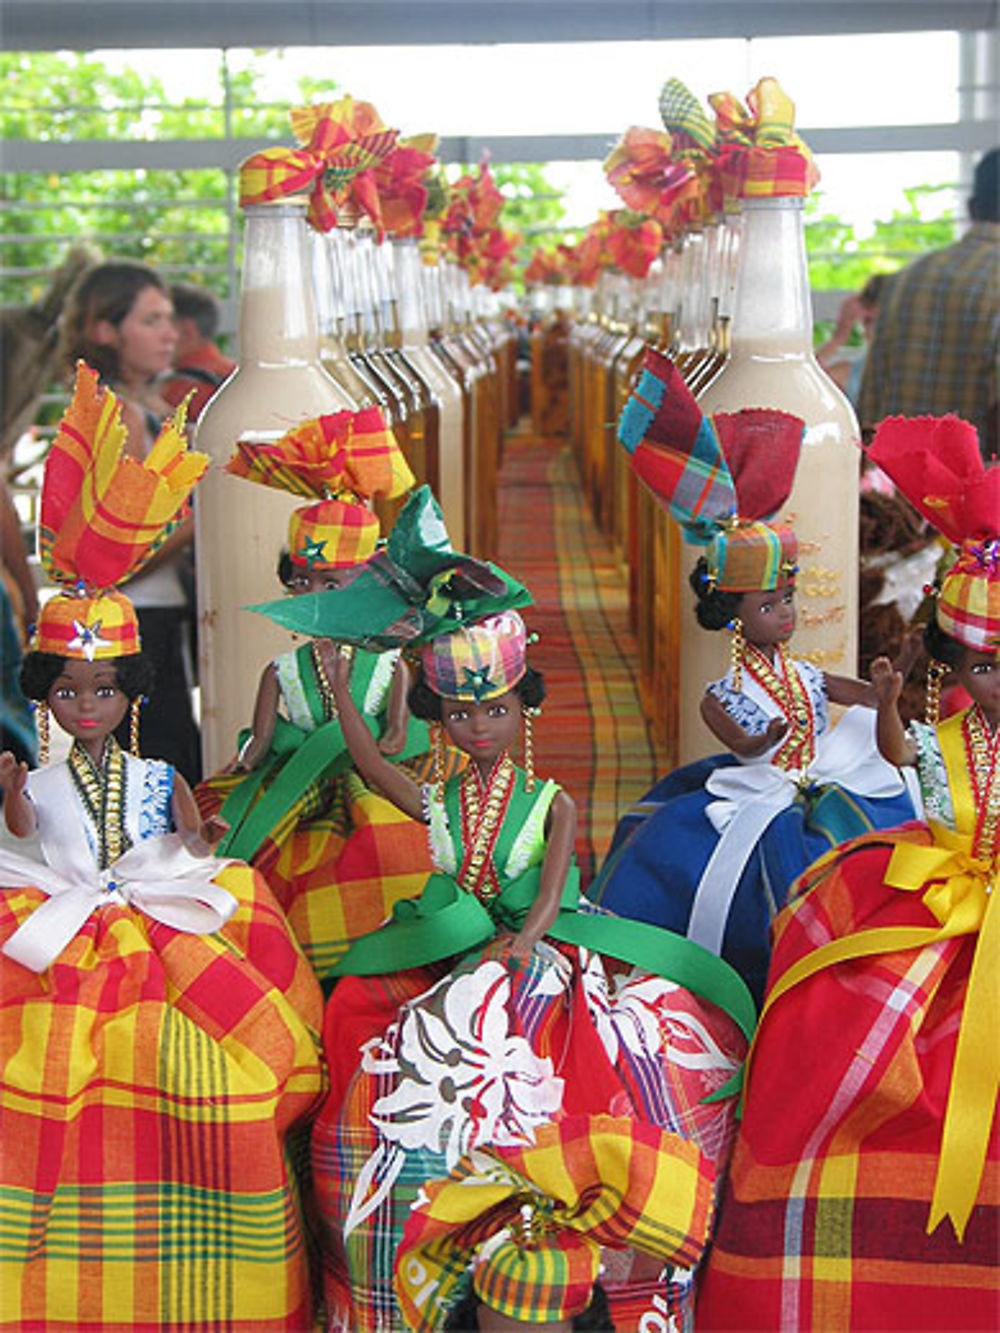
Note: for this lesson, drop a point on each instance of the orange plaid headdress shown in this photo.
(936, 463)
(342, 461)
(533, 1219)
(103, 514)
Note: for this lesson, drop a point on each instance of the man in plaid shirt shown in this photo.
(936, 344)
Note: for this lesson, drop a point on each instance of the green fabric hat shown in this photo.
(413, 590)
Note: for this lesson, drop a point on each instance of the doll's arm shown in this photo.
(17, 808)
(846, 690)
(890, 735)
(198, 835)
(395, 785)
(732, 735)
(265, 711)
(559, 840)
(397, 711)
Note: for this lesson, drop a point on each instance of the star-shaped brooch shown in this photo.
(478, 681)
(88, 639)
(311, 551)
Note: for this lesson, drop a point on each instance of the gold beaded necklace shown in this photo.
(483, 808)
(786, 689)
(982, 748)
(102, 790)
(323, 680)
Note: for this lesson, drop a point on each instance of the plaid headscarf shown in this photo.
(344, 460)
(718, 477)
(103, 514)
(534, 1218)
(937, 464)
(479, 661)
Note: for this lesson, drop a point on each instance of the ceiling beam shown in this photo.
(188, 154)
(83, 25)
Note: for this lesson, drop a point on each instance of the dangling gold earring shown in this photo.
(736, 651)
(42, 723)
(936, 671)
(529, 748)
(133, 726)
(437, 749)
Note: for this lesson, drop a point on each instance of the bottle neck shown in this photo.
(773, 306)
(409, 290)
(278, 321)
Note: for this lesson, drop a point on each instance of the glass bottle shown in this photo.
(241, 527)
(772, 365)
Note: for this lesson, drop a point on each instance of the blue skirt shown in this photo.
(662, 845)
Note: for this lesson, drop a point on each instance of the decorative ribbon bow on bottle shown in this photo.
(340, 143)
(759, 154)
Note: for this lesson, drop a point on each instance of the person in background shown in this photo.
(844, 364)
(199, 366)
(119, 319)
(18, 610)
(936, 342)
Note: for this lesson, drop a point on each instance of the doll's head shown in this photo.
(300, 579)
(88, 699)
(766, 616)
(975, 670)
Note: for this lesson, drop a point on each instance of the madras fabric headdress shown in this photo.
(719, 477)
(340, 143)
(342, 460)
(103, 514)
(759, 154)
(415, 588)
(479, 661)
(937, 464)
(532, 1220)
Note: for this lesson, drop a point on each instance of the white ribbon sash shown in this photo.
(159, 876)
(750, 796)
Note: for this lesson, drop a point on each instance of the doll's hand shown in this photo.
(213, 830)
(392, 741)
(887, 684)
(777, 729)
(517, 946)
(340, 676)
(13, 775)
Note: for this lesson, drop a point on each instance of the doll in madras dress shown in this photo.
(334, 852)
(498, 1001)
(712, 849)
(871, 1201)
(158, 1034)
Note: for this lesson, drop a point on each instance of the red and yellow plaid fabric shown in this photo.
(324, 456)
(584, 1182)
(103, 512)
(333, 534)
(400, 180)
(88, 628)
(351, 141)
(633, 243)
(148, 1083)
(752, 557)
(823, 1224)
(759, 154)
(479, 661)
(280, 173)
(968, 606)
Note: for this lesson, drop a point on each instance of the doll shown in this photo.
(497, 1001)
(517, 1236)
(335, 854)
(157, 1036)
(719, 841)
(864, 1186)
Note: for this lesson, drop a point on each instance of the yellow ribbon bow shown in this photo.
(961, 898)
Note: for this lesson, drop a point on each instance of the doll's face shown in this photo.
(87, 701)
(768, 617)
(303, 580)
(482, 730)
(979, 675)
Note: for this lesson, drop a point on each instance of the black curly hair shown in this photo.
(462, 1317)
(715, 609)
(941, 647)
(425, 704)
(285, 568)
(40, 671)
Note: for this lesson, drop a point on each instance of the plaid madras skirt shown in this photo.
(148, 1083)
(337, 862)
(482, 1054)
(823, 1219)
